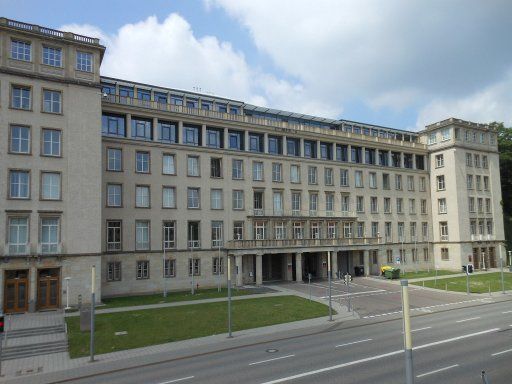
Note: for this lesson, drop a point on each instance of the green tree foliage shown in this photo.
(505, 150)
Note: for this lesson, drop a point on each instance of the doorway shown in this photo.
(16, 291)
(48, 288)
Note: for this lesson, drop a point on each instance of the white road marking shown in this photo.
(502, 352)
(353, 342)
(420, 329)
(353, 293)
(506, 312)
(376, 357)
(470, 319)
(437, 370)
(266, 361)
(176, 380)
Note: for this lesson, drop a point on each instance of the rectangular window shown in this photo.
(412, 206)
(213, 138)
(328, 176)
(441, 203)
(114, 195)
(387, 205)
(19, 184)
(237, 169)
(277, 201)
(193, 198)
(21, 50)
(142, 162)
(345, 204)
(445, 134)
(399, 208)
(373, 180)
(280, 230)
(440, 183)
(298, 230)
(142, 272)
(358, 179)
(113, 125)
(258, 202)
(423, 208)
(255, 142)
(18, 235)
(347, 230)
(20, 139)
(217, 234)
(389, 256)
(21, 97)
(169, 228)
(52, 101)
(142, 128)
(191, 135)
(238, 230)
(238, 199)
(275, 145)
(444, 254)
(443, 229)
(424, 230)
(277, 172)
(142, 196)
(142, 235)
(113, 235)
(401, 233)
(313, 202)
(257, 171)
(480, 205)
(488, 205)
(310, 149)
(469, 181)
(477, 161)
(194, 266)
(296, 203)
(410, 183)
(114, 271)
(50, 186)
(216, 168)
(485, 162)
(167, 132)
(314, 228)
(360, 204)
(218, 266)
(385, 181)
(216, 199)
(51, 145)
(344, 177)
(471, 203)
(387, 231)
(49, 235)
(312, 175)
(374, 206)
(329, 202)
(294, 173)
(114, 159)
(398, 182)
(236, 140)
(168, 164)
(193, 166)
(84, 61)
(168, 197)
(469, 160)
(486, 183)
(293, 147)
(169, 268)
(375, 229)
(423, 185)
(331, 230)
(432, 138)
(356, 155)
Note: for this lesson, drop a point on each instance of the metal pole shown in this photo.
(409, 374)
(218, 266)
(330, 286)
(309, 284)
(349, 296)
(163, 264)
(93, 302)
(502, 276)
(484, 378)
(509, 257)
(229, 297)
(67, 293)
(467, 280)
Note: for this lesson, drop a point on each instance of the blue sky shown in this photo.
(395, 63)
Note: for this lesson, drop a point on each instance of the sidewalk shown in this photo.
(60, 368)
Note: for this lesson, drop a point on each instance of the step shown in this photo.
(35, 331)
(22, 351)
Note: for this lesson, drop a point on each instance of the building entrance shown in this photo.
(48, 288)
(311, 265)
(16, 291)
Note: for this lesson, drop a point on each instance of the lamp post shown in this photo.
(93, 302)
(330, 285)
(67, 293)
(409, 374)
(229, 296)
(502, 276)
(163, 263)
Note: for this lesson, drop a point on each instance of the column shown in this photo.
(334, 263)
(246, 140)
(333, 151)
(128, 125)
(180, 132)
(32, 293)
(265, 142)
(301, 147)
(203, 135)
(366, 259)
(289, 266)
(363, 155)
(298, 267)
(285, 147)
(259, 271)
(239, 270)
(390, 159)
(226, 139)
(377, 156)
(155, 129)
(349, 153)
(402, 160)
(318, 149)
(413, 161)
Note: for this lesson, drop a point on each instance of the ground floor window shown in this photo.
(444, 254)
(142, 270)
(218, 265)
(389, 256)
(169, 268)
(114, 271)
(375, 257)
(414, 256)
(194, 265)
(425, 254)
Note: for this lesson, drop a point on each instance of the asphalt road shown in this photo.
(449, 347)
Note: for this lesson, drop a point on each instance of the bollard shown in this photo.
(423, 283)
(490, 294)
(446, 287)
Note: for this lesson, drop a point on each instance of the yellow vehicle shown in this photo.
(385, 268)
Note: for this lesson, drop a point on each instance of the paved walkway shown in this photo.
(60, 367)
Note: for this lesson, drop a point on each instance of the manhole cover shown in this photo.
(272, 350)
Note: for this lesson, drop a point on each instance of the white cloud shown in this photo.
(168, 54)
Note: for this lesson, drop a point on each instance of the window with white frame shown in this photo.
(295, 173)
(344, 177)
(218, 266)
(277, 202)
(142, 272)
(480, 205)
(217, 234)
(142, 196)
(328, 176)
(399, 207)
(387, 231)
(329, 202)
(142, 162)
(169, 229)
(331, 230)
(313, 201)
(280, 230)
(401, 234)
(114, 271)
(216, 168)
(412, 229)
(21, 50)
(18, 235)
(50, 186)
(277, 172)
(486, 183)
(423, 208)
(168, 164)
(471, 204)
(374, 205)
(312, 175)
(347, 229)
(359, 204)
(20, 139)
(477, 160)
(375, 229)
(385, 181)
(52, 56)
(193, 198)
(113, 235)
(169, 267)
(216, 199)
(487, 205)
(257, 171)
(84, 61)
(193, 166)
(298, 229)
(141, 234)
(410, 183)
(19, 184)
(194, 266)
(373, 179)
(358, 177)
(398, 182)
(49, 235)
(21, 97)
(52, 101)
(432, 138)
(314, 228)
(51, 145)
(469, 160)
(237, 169)
(387, 205)
(296, 203)
(193, 235)
(360, 229)
(439, 161)
(238, 230)
(469, 181)
(445, 134)
(412, 206)
(440, 183)
(345, 203)
(490, 227)
(114, 195)
(422, 184)
(485, 162)
(238, 199)
(168, 197)
(114, 159)
(424, 230)
(260, 230)
(443, 229)
(472, 227)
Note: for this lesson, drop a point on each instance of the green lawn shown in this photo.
(172, 297)
(421, 274)
(478, 283)
(163, 325)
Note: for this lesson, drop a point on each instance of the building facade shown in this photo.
(157, 187)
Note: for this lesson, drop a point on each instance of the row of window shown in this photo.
(51, 55)
(142, 268)
(18, 235)
(50, 185)
(168, 132)
(482, 225)
(441, 182)
(470, 160)
(20, 140)
(480, 205)
(261, 228)
(470, 135)
(21, 98)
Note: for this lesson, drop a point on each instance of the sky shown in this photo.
(397, 63)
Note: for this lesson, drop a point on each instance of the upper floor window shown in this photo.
(222, 108)
(51, 142)
(326, 151)
(257, 171)
(344, 177)
(21, 97)
(356, 155)
(50, 186)
(20, 139)
(191, 135)
(193, 166)
(440, 183)
(160, 98)
(52, 56)
(142, 162)
(168, 164)
(84, 61)
(432, 138)
(295, 173)
(485, 163)
(373, 180)
(277, 172)
(359, 179)
(142, 128)
(328, 176)
(312, 175)
(439, 161)
(236, 140)
(341, 152)
(477, 161)
(19, 184)
(255, 142)
(213, 138)
(293, 147)
(52, 101)
(445, 134)
(237, 169)
(113, 125)
(167, 132)
(49, 239)
(310, 149)
(275, 145)
(114, 159)
(21, 50)
(216, 168)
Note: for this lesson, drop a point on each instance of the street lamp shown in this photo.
(163, 263)
(93, 299)
(229, 296)
(409, 374)
(67, 293)
(330, 285)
